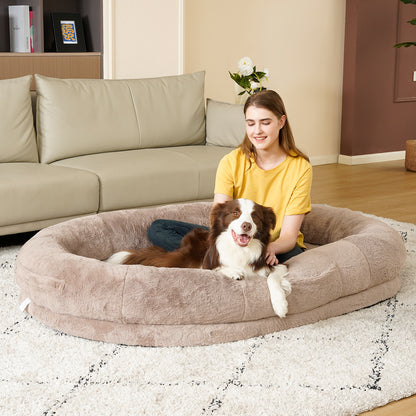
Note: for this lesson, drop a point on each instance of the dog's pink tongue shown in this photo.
(241, 239)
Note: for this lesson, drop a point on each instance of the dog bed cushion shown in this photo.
(355, 262)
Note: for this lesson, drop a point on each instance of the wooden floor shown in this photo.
(384, 189)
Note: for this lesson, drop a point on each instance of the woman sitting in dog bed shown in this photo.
(266, 168)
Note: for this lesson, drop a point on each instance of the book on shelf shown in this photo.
(19, 28)
(31, 30)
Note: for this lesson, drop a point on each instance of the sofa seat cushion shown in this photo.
(206, 159)
(70, 289)
(143, 177)
(42, 192)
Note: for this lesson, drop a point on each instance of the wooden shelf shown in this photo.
(38, 54)
(58, 65)
(45, 61)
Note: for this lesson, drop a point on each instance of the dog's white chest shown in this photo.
(234, 256)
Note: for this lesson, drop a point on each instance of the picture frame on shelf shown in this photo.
(68, 32)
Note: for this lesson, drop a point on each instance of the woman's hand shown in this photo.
(271, 258)
(287, 238)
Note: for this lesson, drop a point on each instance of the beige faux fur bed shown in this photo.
(356, 263)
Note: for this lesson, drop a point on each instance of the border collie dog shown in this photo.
(235, 246)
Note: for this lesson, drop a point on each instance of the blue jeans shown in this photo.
(168, 234)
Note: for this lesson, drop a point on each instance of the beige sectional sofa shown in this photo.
(103, 145)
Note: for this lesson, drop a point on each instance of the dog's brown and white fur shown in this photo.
(235, 246)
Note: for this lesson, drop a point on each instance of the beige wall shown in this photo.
(142, 38)
(301, 42)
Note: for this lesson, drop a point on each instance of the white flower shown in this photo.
(254, 85)
(245, 66)
(248, 79)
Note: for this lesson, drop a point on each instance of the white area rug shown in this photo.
(341, 366)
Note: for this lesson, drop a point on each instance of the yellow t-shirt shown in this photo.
(285, 188)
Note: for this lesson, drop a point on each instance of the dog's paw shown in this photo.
(232, 273)
(286, 286)
(281, 271)
(278, 288)
(236, 275)
(280, 308)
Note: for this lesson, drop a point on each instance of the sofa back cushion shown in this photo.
(225, 123)
(170, 110)
(17, 134)
(78, 116)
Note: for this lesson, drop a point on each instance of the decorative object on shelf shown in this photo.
(68, 32)
(19, 28)
(248, 79)
(412, 22)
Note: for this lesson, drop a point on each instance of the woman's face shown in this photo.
(263, 127)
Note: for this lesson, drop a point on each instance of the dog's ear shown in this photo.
(269, 217)
(215, 213)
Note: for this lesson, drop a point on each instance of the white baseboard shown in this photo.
(323, 160)
(357, 160)
(371, 158)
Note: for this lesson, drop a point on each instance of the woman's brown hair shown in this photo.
(271, 100)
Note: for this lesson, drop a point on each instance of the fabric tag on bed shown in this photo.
(24, 304)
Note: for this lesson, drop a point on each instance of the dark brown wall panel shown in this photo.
(375, 119)
(405, 87)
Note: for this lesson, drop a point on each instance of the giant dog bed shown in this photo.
(354, 261)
